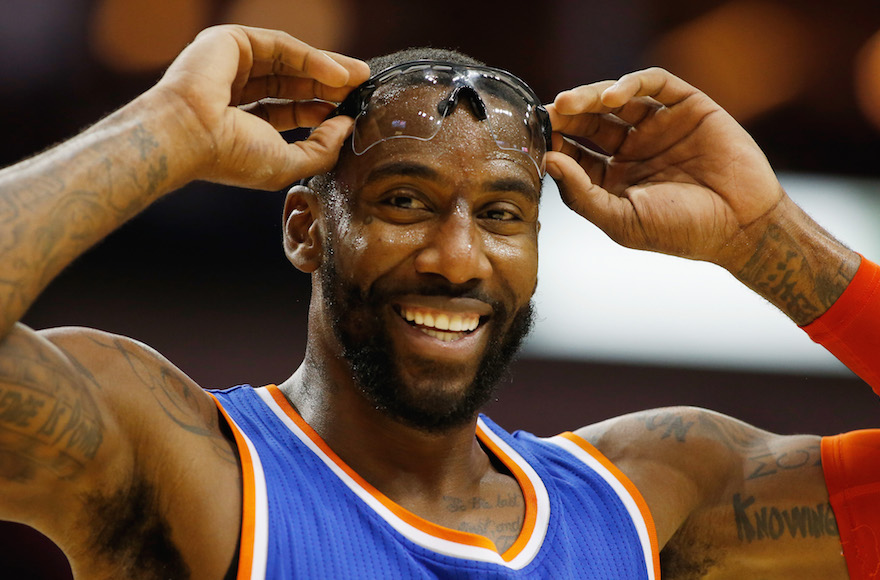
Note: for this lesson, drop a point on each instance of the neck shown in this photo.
(405, 463)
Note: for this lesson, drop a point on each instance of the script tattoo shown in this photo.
(772, 522)
(496, 525)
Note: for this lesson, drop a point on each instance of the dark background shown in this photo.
(201, 275)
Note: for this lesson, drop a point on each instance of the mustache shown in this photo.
(437, 287)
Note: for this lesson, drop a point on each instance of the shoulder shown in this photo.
(682, 459)
(166, 443)
(129, 376)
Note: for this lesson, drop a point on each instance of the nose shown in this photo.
(455, 251)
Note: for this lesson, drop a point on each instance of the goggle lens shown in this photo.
(411, 100)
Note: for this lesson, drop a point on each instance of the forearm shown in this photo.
(794, 263)
(56, 205)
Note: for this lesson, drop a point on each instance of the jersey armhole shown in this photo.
(627, 491)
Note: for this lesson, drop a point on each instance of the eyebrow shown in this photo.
(516, 184)
(402, 169)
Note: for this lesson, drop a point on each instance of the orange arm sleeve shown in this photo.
(850, 329)
(851, 463)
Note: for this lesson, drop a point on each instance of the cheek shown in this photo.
(515, 259)
(376, 247)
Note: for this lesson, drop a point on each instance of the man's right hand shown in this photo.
(239, 86)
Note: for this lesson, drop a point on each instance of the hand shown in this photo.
(680, 175)
(220, 80)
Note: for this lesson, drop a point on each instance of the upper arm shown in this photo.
(729, 500)
(54, 427)
(83, 410)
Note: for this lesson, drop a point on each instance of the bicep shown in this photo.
(729, 499)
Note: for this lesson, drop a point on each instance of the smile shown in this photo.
(444, 326)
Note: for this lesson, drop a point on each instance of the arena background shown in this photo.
(201, 275)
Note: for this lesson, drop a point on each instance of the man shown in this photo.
(420, 233)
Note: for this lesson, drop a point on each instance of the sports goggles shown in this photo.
(411, 100)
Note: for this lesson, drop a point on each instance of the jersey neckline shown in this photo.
(423, 532)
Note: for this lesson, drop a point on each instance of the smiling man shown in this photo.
(417, 218)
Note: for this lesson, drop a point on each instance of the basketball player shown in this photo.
(416, 216)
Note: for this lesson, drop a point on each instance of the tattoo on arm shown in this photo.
(779, 271)
(52, 211)
(46, 419)
(772, 463)
(184, 404)
(755, 524)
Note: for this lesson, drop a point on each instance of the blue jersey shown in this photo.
(309, 515)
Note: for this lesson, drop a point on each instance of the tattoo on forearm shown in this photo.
(772, 522)
(779, 271)
(95, 193)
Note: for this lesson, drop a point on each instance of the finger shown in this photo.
(592, 163)
(584, 99)
(583, 196)
(285, 115)
(358, 70)
(661, 85)
(286, 55)
(637, 110)
(263, 52)
(293, 88)
(606, 131)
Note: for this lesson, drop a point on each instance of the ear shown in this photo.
(303, 237)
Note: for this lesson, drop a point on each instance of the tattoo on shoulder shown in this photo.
(182, 402)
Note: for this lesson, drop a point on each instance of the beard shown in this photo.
(359, 326)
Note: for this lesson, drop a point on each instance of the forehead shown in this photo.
(463, 147)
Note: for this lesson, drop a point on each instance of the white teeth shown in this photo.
(455, 324)
(443, 336)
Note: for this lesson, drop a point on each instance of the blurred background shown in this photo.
(201, 275)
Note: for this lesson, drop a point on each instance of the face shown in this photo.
(429, 267)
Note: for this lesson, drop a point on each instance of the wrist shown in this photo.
(170, 132)
(790, 260)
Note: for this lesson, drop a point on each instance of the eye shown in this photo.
(404, 201)
(501, 213)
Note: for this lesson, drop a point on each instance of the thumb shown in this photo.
(580, 194)
(320, 152)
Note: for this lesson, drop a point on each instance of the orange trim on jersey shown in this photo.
(529, 495)
(407, 516)
(630, 487)
(248, 521)
(850, 329)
